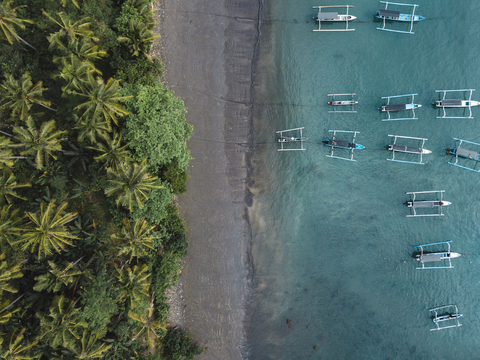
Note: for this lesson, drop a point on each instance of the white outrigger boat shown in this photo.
(461, 152)
(415, 204)
(333, 17)
(407, 149)
(282, 139)
(343, 144)
(388, 108)
(456, 103)
(336, 103)
(395, 15)
(436, 256)
(450, 316)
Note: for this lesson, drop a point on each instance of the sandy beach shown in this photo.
(208, 48)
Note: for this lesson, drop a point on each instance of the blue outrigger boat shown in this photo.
(343, 144)
(461, 152)
(395, 15)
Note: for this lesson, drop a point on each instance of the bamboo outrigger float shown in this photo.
(388, 108)
(333, 17)
(461, 152)
(395, 15)
(455, 103)
(407, 149)
(343, 144)
(451, 316)
(282, 139)
(335, 102)
(436, 256)
(435, 205)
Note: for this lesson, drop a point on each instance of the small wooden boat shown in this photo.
(408, 149)
(456, 103)
(400, 107)
(395, 15)
(342, 102)
(333, 16)
(343, 144)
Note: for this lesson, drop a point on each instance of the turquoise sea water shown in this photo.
(332, 247)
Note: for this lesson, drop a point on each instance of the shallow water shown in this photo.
(332, 247)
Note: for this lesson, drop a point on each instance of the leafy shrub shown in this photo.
(176, 177)
(99, 302)
(154, 209)
(179, 345)
(156, 128)
(176, 242)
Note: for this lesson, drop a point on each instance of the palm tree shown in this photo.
(87, 347)
(17, 349)
(6, 311)
(140, 38)
(91, 127)
(57, 278)
(10, 225)
(62, 322)
(19, 95)
(41, 143)
(103, 99)
(68, 29)
(64, 3)
(113, 153)
(148, 324)
(75, 72)
(130, 182)
(7, 274)
(82, 48)
(9, 20)
(133, 283)
(47, 230)
(8, 185)
(135, 241)
(6, 158)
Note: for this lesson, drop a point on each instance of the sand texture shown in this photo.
(208, 48)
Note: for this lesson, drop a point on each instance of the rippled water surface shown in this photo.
(332, 247)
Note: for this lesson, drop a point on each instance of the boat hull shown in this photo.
(342, 102)
(457, 104)
(401, 17)
(343, 144)
(340, 18)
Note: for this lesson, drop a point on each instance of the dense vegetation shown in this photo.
(92, 151)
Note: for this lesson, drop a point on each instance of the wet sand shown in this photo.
(208, 48)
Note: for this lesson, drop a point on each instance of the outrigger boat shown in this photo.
(282, 139)
(336, 103)
(451, 316)
(333, 17)
(407, 149)
(456, 103)
(415, 204)
(342, 144)
(388, 108)
(460, 152)
(436, 256)
(395, 15)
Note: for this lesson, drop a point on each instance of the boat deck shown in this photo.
(434, 257)
(341, 144)
(405, 149)
(467, 153)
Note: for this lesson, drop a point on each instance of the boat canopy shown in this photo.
(389, 13)
(327, 15)
(404, 148)
(395, 107)
(451, 102)
(467, 153)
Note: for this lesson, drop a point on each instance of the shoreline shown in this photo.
(209, 54)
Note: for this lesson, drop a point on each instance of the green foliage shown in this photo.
(154, 209)
(177, 178)
(139, 71)
(178, 345)
(156, 128)
(176, 242)
(99, 302)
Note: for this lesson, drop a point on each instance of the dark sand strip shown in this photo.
(208, 48)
